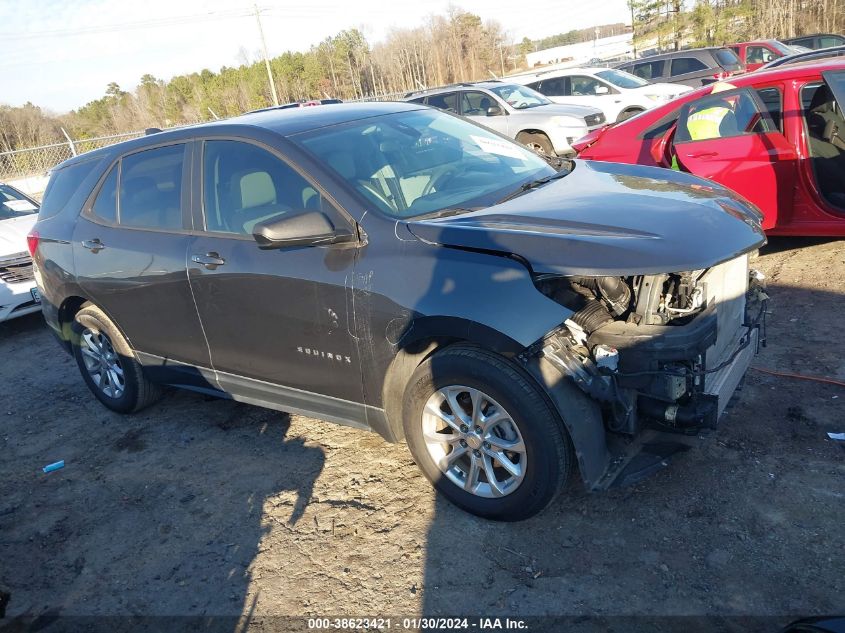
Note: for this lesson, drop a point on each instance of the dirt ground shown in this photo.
(201, 506)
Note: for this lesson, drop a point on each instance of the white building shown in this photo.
(579, 54)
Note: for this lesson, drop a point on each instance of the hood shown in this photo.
(609, 219)
(13, 234)
(667, 90)
(561, 109)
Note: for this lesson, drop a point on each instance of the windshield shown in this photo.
(416, 163)
(621, 79)
(520, 97)
(783, 49)
(13, 204)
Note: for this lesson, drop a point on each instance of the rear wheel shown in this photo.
(537, 141)
(484, 434)
(107, 363)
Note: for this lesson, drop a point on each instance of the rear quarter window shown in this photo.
(686, 65)
(649, 70)
(63, 184)
(726, 57)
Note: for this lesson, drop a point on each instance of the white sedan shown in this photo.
(618, 94)
(18, 293)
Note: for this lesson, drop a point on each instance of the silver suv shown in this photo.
(516, 111)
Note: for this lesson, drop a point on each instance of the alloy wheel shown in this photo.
(474, 441)
(102, 363)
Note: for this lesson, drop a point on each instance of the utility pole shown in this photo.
(266, 58)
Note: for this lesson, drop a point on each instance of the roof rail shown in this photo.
(151, 130)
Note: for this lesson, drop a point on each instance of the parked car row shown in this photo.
(517, 112)
(619, 95)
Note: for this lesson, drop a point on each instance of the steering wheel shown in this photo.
(446, 175)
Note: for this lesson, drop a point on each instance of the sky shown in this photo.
(61, 54)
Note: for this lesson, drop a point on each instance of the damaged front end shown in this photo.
(662, 352)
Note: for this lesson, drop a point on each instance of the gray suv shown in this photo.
(695, 67)
(516, 111)
(515, 318)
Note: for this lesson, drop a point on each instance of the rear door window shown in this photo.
(826, 41)
(151, 188)
(555, 87)
(447, 101)
(686, 65)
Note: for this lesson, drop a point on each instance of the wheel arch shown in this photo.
(629, 112)
(424, 337)
(532, 130)
(65, 314)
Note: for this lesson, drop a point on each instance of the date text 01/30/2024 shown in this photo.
(413, 624)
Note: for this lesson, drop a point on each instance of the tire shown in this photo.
(538, 141)
(627, 114)
(545, 463)
(102, 354)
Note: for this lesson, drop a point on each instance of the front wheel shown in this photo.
(107, 363)
(486, 437)
(538, 141)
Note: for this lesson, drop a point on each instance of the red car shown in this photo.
(755, 54)
(776, 137)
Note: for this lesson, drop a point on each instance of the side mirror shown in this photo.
(306, 228)
(602, 90)
(495, 110)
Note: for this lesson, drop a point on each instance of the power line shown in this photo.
(129, 26)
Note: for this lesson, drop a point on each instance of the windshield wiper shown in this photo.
(442, 213)
(532, 184)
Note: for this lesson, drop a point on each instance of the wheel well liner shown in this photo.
(424, 337)
(67, 311)
(532, 131)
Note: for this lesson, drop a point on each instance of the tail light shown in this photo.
(585, 141)
(32, 242)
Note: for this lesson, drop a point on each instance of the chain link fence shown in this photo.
(37, 161)
(32, 161)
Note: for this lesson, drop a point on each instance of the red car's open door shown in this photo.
(729, 137)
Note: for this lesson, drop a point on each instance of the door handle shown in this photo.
(703, 155)
(95, 245)
(209, 260)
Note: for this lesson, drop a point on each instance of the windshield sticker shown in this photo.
(495, 146)
(19, 205)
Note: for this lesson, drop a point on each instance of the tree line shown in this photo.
(455, 47)
(674, 23)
